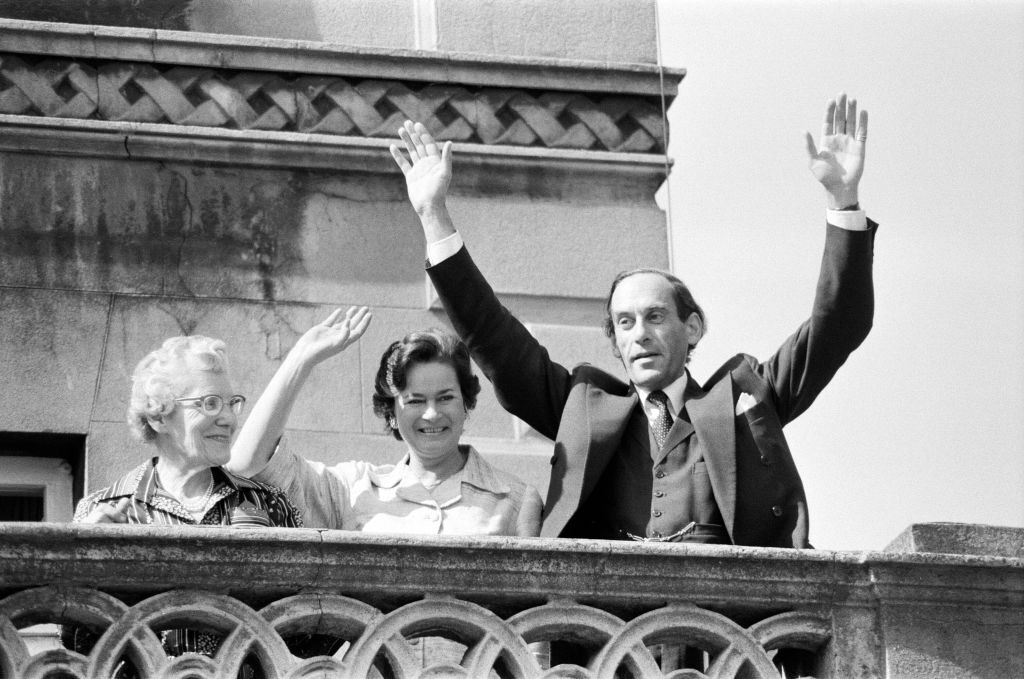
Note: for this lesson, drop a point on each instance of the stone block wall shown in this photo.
(160, 182)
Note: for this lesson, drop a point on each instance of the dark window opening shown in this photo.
(21, 504)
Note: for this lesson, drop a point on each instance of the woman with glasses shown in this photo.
(183, 404)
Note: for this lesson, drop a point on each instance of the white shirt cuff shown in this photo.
(851, 220)
(441, 250)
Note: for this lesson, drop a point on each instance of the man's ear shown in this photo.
(694, 328)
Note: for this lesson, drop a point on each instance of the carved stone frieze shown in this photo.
(122, 91)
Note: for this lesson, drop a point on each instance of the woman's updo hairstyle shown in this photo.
(423, 346)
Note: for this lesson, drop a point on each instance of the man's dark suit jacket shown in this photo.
(586, 410)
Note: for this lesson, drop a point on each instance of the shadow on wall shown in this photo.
(205, 16)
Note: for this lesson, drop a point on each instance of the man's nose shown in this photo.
(641, 332)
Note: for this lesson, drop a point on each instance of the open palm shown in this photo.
(428, 170)
(838, 159)
(334, 334)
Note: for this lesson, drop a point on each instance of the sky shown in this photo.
(925, 422)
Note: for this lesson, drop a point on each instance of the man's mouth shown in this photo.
(221, 438)
(642, 355)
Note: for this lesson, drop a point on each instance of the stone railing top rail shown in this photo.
(249, 562)
(309, 57)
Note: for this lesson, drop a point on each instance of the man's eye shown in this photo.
(625, 322)
(656, 317)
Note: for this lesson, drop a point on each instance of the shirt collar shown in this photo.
(476, 472)
(674, 392)
(141, 483)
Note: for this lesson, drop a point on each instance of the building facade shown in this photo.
(193, 167)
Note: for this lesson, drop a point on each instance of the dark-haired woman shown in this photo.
(424, 390)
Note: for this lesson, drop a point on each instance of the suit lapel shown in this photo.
(597, 422)
(712, 417)
(607, 419)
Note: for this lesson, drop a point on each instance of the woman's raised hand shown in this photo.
(332, 335)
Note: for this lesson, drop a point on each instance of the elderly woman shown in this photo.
(424, 390)
(183, 404)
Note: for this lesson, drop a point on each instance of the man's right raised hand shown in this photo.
(428, 172)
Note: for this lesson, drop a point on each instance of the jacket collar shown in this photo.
(713, 416)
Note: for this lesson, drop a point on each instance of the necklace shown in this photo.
(197, 507)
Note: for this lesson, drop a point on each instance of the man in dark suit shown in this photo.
(661, 457)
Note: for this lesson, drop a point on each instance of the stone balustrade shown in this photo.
(627, 609)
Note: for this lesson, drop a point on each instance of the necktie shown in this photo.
(663, 422)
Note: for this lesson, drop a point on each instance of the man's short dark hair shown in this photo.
(685, 304)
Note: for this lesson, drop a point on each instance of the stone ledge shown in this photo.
(129, 558)
(302, 56)
(515, 167)
(960, 538)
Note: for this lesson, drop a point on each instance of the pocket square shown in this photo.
(745, 403)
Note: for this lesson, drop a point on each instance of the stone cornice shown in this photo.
(517, 167)
(298, 56)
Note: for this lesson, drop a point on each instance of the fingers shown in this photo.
(446, 154)
(330, 320)
(415, 132)
(355, 315)
(812, 150)
(839, 122)
(862, 127)
(828, 127)
(361, 324)
(418, 142)
(104, 513)
(400, 160)
(357, 319)
(429, 145)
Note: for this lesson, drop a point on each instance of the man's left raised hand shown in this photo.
(838, 159)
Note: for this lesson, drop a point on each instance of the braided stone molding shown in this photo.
(378, 641)
(123, 91)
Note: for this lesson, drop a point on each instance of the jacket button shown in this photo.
(765, 461)
(660, 474)
(777, 510)
(554, 459)
(656, 512)
(659, 493)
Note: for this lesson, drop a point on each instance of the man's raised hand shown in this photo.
(838, 159)
(428, 170)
